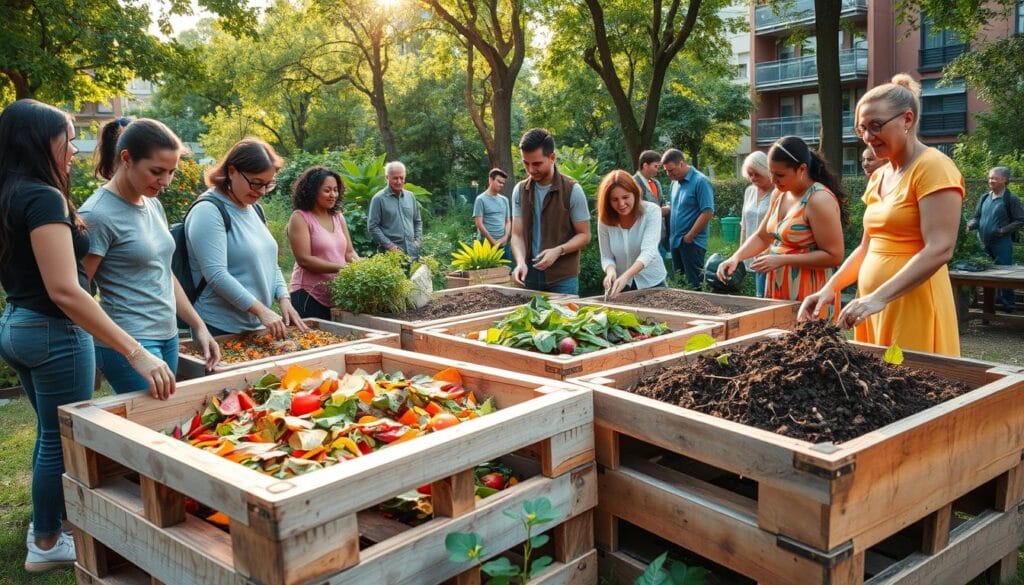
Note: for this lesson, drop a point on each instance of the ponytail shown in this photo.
(106, 148)
(792, 151)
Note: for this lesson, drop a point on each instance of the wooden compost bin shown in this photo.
(405, 328)
(746, 314)
(308, 528)
(933, 498)
(190, 366)
(450, 340)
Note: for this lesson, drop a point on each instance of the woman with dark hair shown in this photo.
(803, 229)
(628, 232)
(911, 219)
(238, 265)
(130, 248)
(47, 328)
(319, 238)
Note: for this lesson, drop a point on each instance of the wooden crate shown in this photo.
(190, 366)
(405, 328)
(449, 340)
(460, 278)
(749, 314)
(308, 527)
(782, 510)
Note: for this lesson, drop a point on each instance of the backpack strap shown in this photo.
(201, 285)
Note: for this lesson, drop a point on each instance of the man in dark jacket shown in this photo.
(997, 218)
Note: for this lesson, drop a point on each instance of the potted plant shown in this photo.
(481, 263)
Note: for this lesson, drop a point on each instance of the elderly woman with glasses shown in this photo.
(232, 254)
(803, 228)
(911, 220)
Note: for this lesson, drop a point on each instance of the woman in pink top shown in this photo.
(319, 238)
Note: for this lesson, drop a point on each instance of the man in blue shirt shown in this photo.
(693, 204)
(997, 218)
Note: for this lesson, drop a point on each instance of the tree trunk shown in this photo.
(384, 127)
(501, 154)
(830, 92)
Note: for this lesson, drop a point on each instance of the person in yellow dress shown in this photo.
(911, 220)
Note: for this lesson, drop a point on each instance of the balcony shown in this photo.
(935, 58)
(799, 13)
(803, 71)
(943, 123)
(807, 127)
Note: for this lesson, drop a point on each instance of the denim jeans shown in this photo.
(535, 280)
(122, 376)
(307, 307)
(55, 361)
(1001, 250)
(689, 259)
(760, 281)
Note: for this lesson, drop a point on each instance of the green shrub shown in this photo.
(377, 284)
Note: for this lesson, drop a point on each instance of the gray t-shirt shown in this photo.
(495, 210)
(134, 278)
(240, 266)
(578, 210)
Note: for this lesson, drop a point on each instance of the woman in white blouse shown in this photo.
(755, 206)
(628, 230)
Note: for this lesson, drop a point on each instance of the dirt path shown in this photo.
(995, 342)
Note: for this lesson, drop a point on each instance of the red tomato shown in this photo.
(305, 404)
(495, 481)
(424, 489)
(364, 447)
(246, 401)
(443, 420)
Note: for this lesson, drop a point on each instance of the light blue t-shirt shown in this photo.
(578, 209)
(495, 210)
(134, 277)
(240, 266)
(690, 197)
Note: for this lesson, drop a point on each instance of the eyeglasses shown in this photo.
(258, 185)
(874, 126)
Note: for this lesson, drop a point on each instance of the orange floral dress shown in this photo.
(793, 235)
(923, 319)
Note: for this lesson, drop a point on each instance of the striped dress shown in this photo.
(792, 235)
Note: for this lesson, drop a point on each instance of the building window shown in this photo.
(943, 109)
(105, 108)
(741, 71)
(787, 107)
(851, 160)
(945, 148)
(938, 47)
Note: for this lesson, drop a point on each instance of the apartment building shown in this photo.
(873, 47)
(91, 116)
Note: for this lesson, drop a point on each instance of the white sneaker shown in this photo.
(31, 534)
(61, 555)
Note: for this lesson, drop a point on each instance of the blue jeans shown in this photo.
(689, 259)
(760, 281)
(535, 280)
(55, 361)
(1001, 250)
(122, 376)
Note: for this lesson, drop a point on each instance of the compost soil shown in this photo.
(461, 303)
(673, 299)
(809, 384)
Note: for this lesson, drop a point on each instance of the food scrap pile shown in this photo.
(258, 346)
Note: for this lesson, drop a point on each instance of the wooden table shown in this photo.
(1011, 277)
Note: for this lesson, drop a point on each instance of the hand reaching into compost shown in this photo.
(153, 369)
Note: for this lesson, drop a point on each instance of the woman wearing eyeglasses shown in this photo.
(803, 229)
(911, 220)
(239, 265)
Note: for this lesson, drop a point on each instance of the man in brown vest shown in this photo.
(550, 220)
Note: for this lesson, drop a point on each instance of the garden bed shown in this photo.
(461, 278)
(741, 315)
(447, 305)
(233, 347)
(451, 340)
(793, 511)
(308, 527)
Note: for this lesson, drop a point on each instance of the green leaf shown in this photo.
(682, 574)
(699, 342)
(500, 567)
(539, 540)
(463, 547)
(544, 341)
(539, 511)
(893, 355)
(723, 359)
(539, 565)
(279, 401)
(653, 575)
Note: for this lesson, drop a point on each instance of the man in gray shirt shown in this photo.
(394, 218)
(997, 217)
(492, 212)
